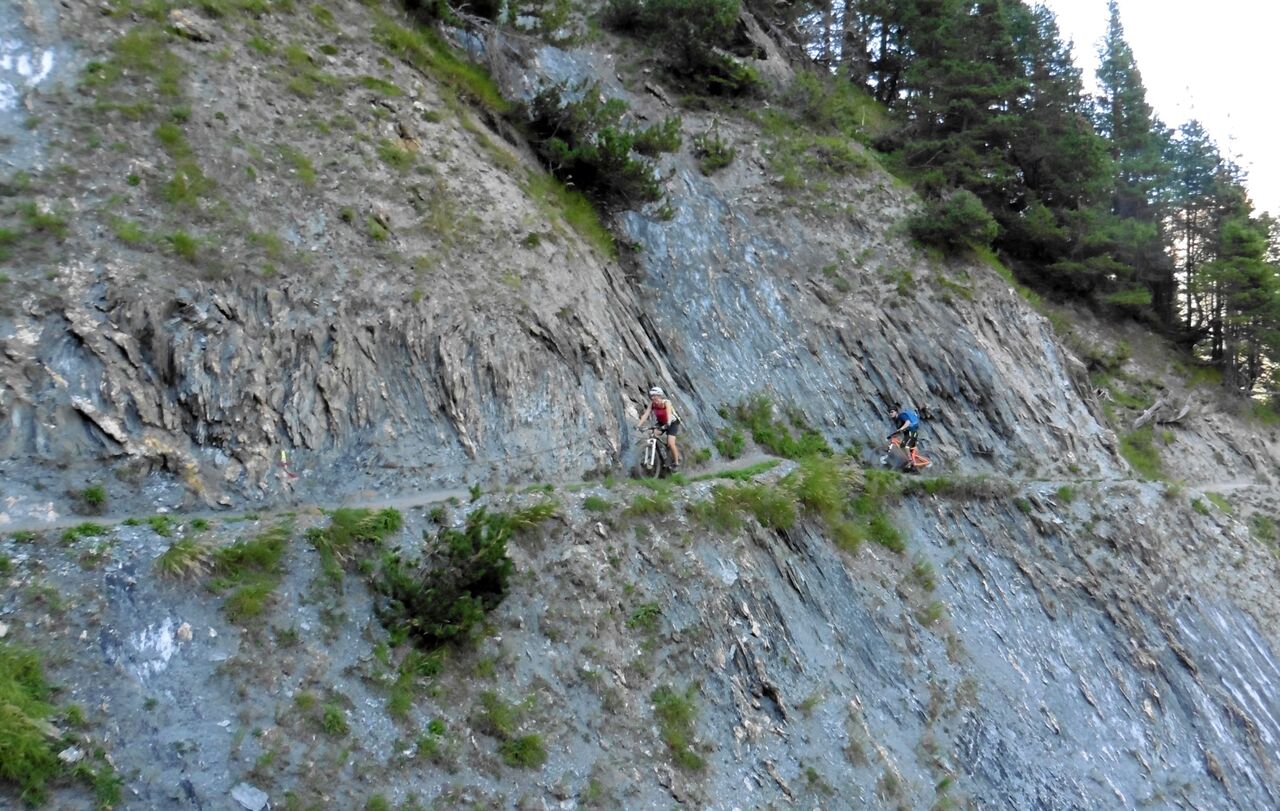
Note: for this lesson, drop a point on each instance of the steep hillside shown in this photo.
(287, 237)
(261, 255)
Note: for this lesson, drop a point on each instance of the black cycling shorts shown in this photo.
(672, 428)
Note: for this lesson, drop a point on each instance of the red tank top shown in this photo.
(660, 413)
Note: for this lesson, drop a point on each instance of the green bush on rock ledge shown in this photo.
(444, 597)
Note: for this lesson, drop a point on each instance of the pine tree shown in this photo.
(963, 84)
(1245, 302)
(1136, 139)
(1194, 221)
(1063, 164)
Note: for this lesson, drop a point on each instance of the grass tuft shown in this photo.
(186, 558)
(253, 569)
(426, 50)
(1141, 453)
(88, 529)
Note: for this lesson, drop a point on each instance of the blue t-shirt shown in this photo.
(912, 419)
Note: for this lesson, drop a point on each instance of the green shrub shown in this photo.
(923, 574)
(713, 152)
(597, 504)
(676, 713)
(248, 601)
(161, 525)
(496, 717)
(377, 231)
(187, 186)
(128, 232)
(846, 534)
(794, 441)
(960, 487)
(525, 752)
(730, 443)
(955, 223)
(141, 54)
(533, 515)
(573, 206)
(172, 139)
(45, 222)
(501, 720)
(1136, 298)
(645, 617)
(1266, 413)
(930, 614)
(579, 136)
(445, 597)
(741, 474)
(773, 506)
(300, 163)
(1066, 494)
(28, 753)
(659, 138)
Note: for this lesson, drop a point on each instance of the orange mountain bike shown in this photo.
(908, 459)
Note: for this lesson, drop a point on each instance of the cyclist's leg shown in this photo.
(672, 430)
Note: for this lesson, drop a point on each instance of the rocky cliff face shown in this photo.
(307, 245)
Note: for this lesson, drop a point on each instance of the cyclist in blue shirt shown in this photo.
(908, 424)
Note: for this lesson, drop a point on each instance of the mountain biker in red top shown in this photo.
(908, 424)
(664, 417)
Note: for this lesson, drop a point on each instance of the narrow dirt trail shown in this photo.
(361, 500)
(424, 498)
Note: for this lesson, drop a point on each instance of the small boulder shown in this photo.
(249, 797)
(190, 26)
(71, 755)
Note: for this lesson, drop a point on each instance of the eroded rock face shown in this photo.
(520, 358)
(1103, 651)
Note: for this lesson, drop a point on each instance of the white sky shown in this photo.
(1214, 61)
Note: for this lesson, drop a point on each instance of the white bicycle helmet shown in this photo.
(657, 391)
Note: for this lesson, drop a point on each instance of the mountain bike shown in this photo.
(655, 461)
(909, 460)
